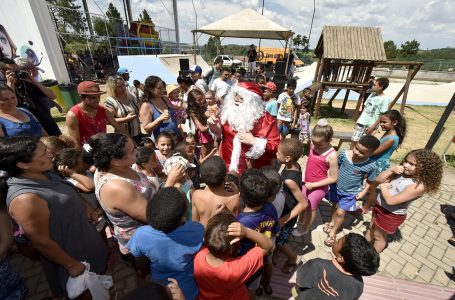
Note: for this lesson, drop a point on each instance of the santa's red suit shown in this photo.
(257, 121)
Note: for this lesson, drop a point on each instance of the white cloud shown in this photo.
(430, 22)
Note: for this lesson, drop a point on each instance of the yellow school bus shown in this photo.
(266, 55)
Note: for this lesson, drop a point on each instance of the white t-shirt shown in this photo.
(202, 85)
(287, 105)
(220, 87)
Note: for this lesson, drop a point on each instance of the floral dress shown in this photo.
(124, 225)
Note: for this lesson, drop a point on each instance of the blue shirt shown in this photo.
(31, 127)
(351, 175)
(171, 254)
(272, 107)
(383, 159)
(264, 221)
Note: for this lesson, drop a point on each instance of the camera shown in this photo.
(21, 74)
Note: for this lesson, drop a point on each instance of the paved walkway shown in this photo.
(422, 255)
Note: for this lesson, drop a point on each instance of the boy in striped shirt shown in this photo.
(354, 166)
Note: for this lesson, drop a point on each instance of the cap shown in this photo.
(196, 69)
(89, 88)
(175, 159)
(252, 87)
(170, 88)
(271, 86)
(122, 70)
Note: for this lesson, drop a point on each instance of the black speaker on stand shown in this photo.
(184, 64)
(280, 81)
(280, 68)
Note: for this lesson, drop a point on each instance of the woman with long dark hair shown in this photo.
(49, 211)
(155, 114)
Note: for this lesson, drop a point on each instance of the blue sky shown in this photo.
(432, 23)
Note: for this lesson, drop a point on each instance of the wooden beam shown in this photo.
(317, 70)
(344, 84)
(318, 102)
(402, 89)
(355, 116)
(343, 107)
(440, 126)
(333, 97)
(406, 89)
(397, 63)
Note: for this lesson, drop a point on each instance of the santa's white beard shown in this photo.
(242, 116)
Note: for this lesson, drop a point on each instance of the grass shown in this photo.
(421, 121)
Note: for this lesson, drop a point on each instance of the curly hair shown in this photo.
(428, 169)
(194, 108)
(104, 148)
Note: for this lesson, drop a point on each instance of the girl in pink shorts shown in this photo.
(321, 171)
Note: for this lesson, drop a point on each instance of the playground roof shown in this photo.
(246, 24)
(351, 43)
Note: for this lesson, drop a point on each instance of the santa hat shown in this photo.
(250, 87)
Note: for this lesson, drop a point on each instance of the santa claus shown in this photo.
(249, 133)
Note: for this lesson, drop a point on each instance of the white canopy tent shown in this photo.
(245, 24)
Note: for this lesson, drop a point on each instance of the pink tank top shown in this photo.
(317, 166)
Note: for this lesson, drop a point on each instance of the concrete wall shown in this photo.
(29, 27)
(421, 75)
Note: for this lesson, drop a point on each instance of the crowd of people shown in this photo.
(201, 184)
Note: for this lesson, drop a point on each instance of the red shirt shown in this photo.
(89, 126)
(226, 282)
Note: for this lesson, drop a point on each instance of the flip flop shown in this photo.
(451, 241)
(327, 227)
(288, 268)
(329, 241)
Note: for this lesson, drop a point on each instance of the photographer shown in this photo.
(32, 96)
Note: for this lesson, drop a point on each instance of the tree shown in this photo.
(297, 40)
(101, 28)
(67, 16)
(145, 17)
(390, 48)
(212, 45)
(114, 20)
(410, 48)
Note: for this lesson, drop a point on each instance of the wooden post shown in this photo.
(345, 100)
(406, 89)
(318, 101)
(317, 70)
(355, 116)
(333, 97)
(194, 46)
(440, 126)
(402, 89)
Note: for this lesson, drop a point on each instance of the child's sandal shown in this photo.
(329, 241)
(288, 267)
(327, 227)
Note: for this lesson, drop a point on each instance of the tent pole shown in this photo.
(194, 46)
(287, 60)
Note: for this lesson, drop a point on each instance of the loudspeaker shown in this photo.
(280, 68)
(184, 64)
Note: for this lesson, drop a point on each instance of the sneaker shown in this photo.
(298, 231)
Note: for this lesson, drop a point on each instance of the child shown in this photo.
(321, 171)
(277, 198)
(394, 126)
(354, 166)
(219, 275)
(270, 101)
(212, 106)
(54, 144)
(259, 215)
(289, 152)
(164, 145)
(147, 163)
(204, 202)
(306, 93)
(419, 173)
(175, 102)
(196, 111)
(147, 142)
(304, 123)
(340, 278)
(287, 114)
(376, 104)
(168, 241)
